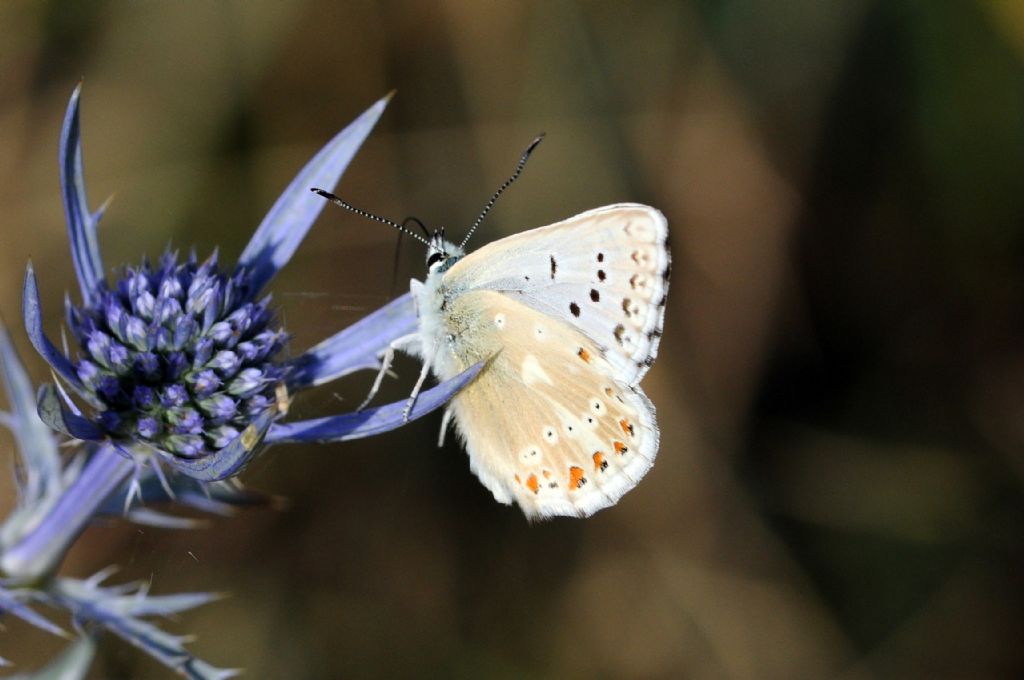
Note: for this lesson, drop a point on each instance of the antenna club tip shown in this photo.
(390, 95)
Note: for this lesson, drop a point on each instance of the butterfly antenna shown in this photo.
(506, 185)
(398, 249)
(370, 216)
(419, 224)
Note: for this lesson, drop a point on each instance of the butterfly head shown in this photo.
(442, 254)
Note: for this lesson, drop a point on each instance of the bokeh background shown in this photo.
(840, 386)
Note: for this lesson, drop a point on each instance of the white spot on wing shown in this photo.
(532, 371)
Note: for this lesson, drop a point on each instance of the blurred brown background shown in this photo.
(841, 382)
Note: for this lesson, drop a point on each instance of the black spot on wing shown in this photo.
(619, 330)
(574, 308)
(594, 295)
(554, 267)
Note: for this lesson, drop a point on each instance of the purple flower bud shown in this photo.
(115, 318)
(109, 387)
(249, 351)
(203, 352)
(88, 373)
(173, 395)
(175, 365)
(144, 397)
(248, 381)
(120, 359)
(185, 420)
(138, 283)
(226, 362)
(160, 339)
(241, 319)
(223, 334)
(147, 427)
(135, 333)
(204, 383)
(187, 445)
(144, 304)
(201, 294)
(212, 309)
(269, 342)
(221, 436)
(170, 289)
(220, 407)
(167, 310)
(98, 345)
(147, 365)
(256, 405)
(184, 330)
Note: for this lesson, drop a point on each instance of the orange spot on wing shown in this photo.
(608, 391)
(532, 484)
(547, 474)
(626, 426)
(599, 462)
(583, 354)
(620, 448)
(575, 477)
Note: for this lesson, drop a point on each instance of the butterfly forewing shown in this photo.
(548, 423)
(604, 271)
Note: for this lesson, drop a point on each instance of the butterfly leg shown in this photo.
(445, 421)
(408, 344)
(416, 390)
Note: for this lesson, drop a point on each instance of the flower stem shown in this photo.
(40, 551)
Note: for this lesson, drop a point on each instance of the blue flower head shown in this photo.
(177, 355)
(182, 360)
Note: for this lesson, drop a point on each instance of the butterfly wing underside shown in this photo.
(548, 423)
(604, 271)
(570, 316)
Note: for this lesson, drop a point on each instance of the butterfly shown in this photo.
(568, 318)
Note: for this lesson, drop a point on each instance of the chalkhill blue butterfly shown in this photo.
(568, 318)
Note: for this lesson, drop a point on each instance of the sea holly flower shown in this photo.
(183, 359)
(180, 362)
(177, 380)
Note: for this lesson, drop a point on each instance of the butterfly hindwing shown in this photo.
(604, 271)
(549, 423)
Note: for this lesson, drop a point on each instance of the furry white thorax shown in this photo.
(430, 297)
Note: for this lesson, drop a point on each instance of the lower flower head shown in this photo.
(177, 355)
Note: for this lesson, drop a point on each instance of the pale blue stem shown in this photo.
(41, 550)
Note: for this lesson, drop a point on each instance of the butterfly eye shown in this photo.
(434, 258)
